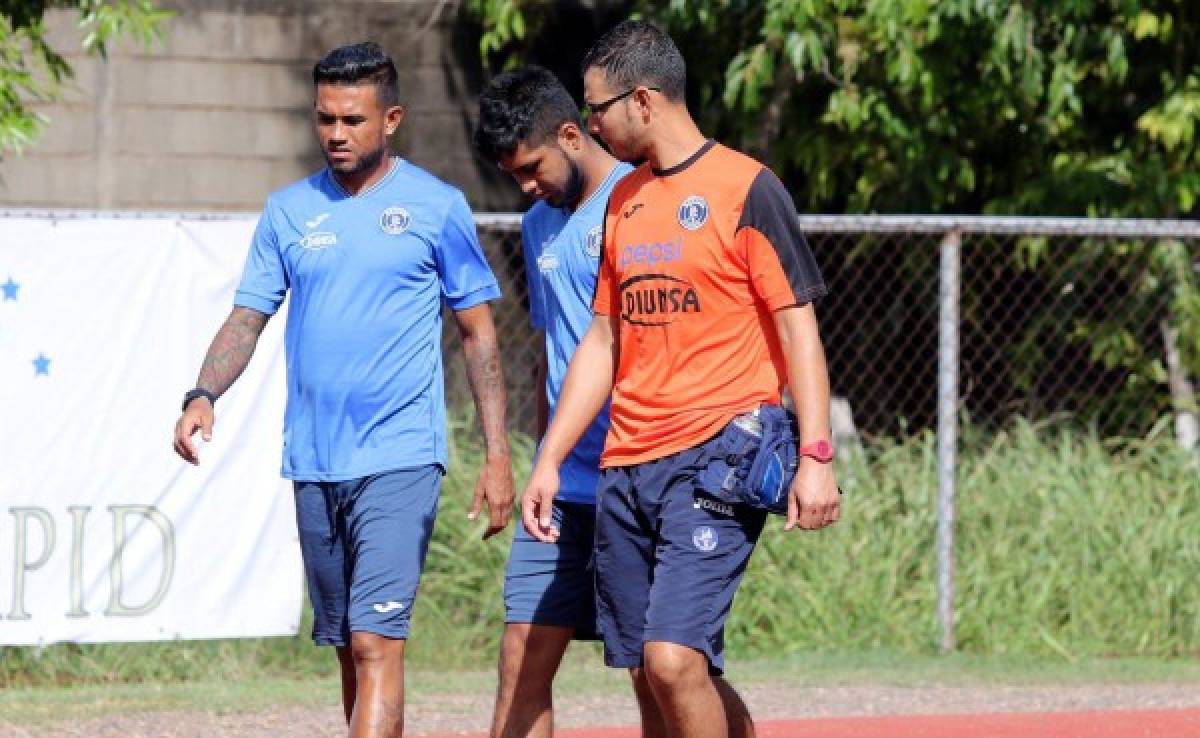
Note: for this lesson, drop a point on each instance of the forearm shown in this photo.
(586, 388)
(808, 376)
(231, 349)
(486, 378)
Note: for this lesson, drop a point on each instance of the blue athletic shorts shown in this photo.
(668, 558)
(554, 583)
(364, 544)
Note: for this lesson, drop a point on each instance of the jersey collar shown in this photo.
(686, 162)
(391, 172)
(612, 174)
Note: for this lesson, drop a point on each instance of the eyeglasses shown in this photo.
(590, 109)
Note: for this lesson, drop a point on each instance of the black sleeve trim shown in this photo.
(770, 211)
(603, 255)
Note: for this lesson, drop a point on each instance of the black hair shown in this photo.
(357, 64)
(527, 105)
(638, 53)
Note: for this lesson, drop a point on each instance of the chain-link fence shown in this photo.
(930, 320)
(1096, 320)
(1077, 318)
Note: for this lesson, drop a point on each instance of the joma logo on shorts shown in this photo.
(655, 299)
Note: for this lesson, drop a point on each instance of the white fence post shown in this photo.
(947, 427)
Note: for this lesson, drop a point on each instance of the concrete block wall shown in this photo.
(219, 115)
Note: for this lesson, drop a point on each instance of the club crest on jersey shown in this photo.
(693, 213)
(395, 220)
(593, 243)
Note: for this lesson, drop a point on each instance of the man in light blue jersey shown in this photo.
(370, 248)
(530, 127)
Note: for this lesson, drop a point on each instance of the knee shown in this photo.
(523, 667)
(672, 667)
(368, 650)
(515, 676)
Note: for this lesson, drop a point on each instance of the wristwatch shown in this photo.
(198, 392)
(820, 451)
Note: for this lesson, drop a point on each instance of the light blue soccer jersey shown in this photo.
(368, 275)
(562, 257)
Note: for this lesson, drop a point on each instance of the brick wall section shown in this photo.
(219, 115)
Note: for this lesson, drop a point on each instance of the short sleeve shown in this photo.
(467, 280)
(782, 267)
(264, 279)
(533, 276)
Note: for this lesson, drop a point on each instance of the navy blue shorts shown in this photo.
(364, 544)
(668, 558)
(554, 583)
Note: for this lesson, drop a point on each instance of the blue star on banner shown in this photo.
(41, 366)
(10, 289)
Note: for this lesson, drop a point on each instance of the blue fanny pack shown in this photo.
(754, 460)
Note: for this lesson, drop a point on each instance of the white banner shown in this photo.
(106, 534)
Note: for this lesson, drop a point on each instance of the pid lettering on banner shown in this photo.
(32, 525)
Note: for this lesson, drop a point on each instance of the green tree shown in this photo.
(963, 106)
(32, 71)
(1041, 107)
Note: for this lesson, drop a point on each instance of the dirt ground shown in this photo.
(433, 714)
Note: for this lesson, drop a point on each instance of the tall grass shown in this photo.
(1066, 547)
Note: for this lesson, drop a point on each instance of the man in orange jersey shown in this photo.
(703, 313)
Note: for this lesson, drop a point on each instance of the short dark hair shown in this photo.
(527, 105)
(357, 64)
(638, 53)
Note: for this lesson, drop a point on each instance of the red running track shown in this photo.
(1098, 724)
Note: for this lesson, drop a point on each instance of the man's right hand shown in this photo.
(198, 415)
(537, 504)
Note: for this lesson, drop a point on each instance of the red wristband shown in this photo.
(821, 451)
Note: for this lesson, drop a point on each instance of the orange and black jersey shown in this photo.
(696, 259)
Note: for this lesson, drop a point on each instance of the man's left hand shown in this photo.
(495, 486)
(813, 500)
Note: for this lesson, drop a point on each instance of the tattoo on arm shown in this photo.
(486, 378)
(231, 350)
